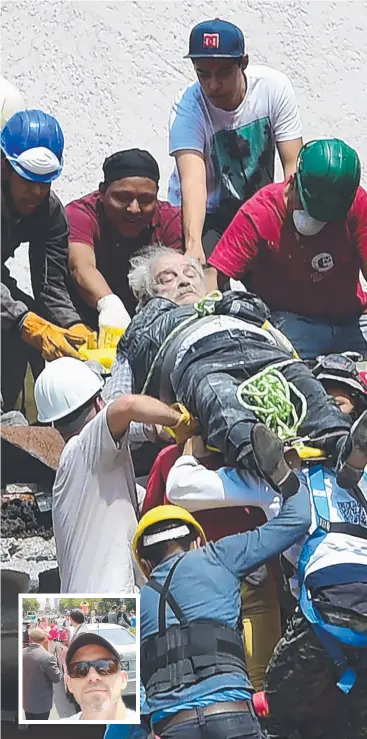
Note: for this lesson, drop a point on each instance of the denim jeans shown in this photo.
(312, 336)
(207, 380)
(220, 726)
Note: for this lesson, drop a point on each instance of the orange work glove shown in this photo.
(185, 427)
(50, 340)
(80, 329)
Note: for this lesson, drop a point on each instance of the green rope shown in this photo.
(204, 307)
(268, 396)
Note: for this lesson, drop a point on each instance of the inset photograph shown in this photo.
(78, 659)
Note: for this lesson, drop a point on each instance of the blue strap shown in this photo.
(319, 495)
(330, 636)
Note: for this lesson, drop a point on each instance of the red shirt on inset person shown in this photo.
(307, 275)
(89, 225)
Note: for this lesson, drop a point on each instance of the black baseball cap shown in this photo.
(82, 640)
(216, 39)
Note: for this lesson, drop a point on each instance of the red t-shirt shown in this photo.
(89, 225)
(308, 275)
(217, 522)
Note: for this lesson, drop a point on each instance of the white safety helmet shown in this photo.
(11, 100)
(65, 385)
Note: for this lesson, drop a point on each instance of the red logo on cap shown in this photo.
(211, 40)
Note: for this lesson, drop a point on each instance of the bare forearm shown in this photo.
(211, 277)
(139, 409)
(193, 212)
(90, 283)
(144, 409)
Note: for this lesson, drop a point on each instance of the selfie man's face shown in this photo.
(96, 693)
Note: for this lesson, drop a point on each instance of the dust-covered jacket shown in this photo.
(46, 231)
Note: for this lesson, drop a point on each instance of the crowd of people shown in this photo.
(236, 388)
(55, 626)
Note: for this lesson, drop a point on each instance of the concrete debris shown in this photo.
(21, 517)
(31, 556)
(44, 443)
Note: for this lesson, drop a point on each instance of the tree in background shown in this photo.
(30, 604)
(130, 604)
(66, 604)
(102, 606)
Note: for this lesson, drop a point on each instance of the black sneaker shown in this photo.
(351, 467)
(269, 456)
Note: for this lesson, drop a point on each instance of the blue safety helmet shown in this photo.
(32, 141)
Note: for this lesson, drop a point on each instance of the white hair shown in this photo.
(141, 275)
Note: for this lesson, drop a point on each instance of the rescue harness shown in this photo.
(186, 653)
(268, 394)
(332, 637)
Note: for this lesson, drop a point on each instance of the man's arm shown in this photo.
(121, 383)
(141, 409)
(244, 553)
(194, 487)
(286, 122)
(192, 172)
(54, 297)
(288, 153)
(51, 669)
(12, 311)
(90, 282)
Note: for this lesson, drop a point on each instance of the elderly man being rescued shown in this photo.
(213, 354)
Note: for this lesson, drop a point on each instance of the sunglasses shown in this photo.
(101, 666)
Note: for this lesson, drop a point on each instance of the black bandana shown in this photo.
(130, 163)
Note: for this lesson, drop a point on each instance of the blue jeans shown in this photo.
(312, 336)
(220, 726)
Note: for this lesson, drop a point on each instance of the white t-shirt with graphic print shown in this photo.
(239, 145)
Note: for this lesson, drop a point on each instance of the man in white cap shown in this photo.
(94, 497)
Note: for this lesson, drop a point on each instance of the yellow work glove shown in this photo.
(51, 341)
(185, 427)
(80, 329)
(109, 337)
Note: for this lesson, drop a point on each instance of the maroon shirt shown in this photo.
(88, 225)
(308, 275)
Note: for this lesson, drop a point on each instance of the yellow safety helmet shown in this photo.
(158, 515)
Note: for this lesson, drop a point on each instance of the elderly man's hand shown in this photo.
(186, 425)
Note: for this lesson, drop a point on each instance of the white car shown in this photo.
(123, 641)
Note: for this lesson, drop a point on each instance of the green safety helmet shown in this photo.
(328, 176)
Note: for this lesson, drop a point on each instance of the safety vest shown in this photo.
(332, 637)
(187, 652)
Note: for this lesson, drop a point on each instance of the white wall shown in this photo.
(110, 70)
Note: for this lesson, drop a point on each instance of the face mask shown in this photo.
(305, 224)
